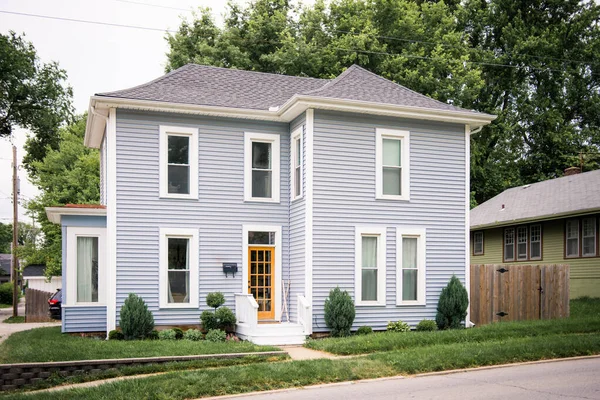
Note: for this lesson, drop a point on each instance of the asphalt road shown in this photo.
(573, 379)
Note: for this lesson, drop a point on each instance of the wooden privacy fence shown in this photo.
(36, 305)
(501, 292)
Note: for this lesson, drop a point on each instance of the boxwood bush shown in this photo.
(193, 334)
(216, 335)
(426, 325)
(364, 330)
(167, 334)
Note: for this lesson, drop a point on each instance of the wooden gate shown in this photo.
(36, 305)
(518, 292)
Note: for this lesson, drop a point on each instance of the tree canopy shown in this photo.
(33, 95)
(534, 64)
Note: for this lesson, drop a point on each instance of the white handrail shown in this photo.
(304, 314)
(246, 309)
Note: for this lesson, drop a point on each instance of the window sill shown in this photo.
(178, 197)
(370, 304)
(81, 305)
(179, 306)
(393, 198)
(295, 199)
(478, 254)
(261, 200)
(410, 303)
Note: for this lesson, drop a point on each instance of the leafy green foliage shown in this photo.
(364, 330)
(452, 305)
(178, 333)
(215, 300)
(167, 334)
(339, 312)
(226, 318)
(209, 320)
(116, 335)
(153, 335)
(6, 235)
(6, 293)
(398, 326)
(193, 334)
(33, 95)
(136, 321)
(216, 335)
(426, 325)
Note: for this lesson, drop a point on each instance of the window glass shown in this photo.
(178, 164)
(261, 238)
(369, 268)
(297, 167)
(178, 270)
(572, 238)
(409, 269)
(261, 169)
(392, 167)
(509, 244)
(522, 243)
(535, 236)
(588, 228)
(87, 269)
(478, 243)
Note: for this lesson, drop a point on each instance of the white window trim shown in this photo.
(297, 134)
(420, 234)
(165, 131)
(361, 231)
(404, 137)
(482, 252)
(71, 293)
(274, 139)
(278, 261)
(192, 235)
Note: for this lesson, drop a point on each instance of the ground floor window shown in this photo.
(370, 245)
(178, 268)
(87, 269)
(410, 266)
(85, 266)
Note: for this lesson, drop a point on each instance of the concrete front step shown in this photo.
(272, 334)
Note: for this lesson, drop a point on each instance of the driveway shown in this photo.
(574, 379)
(7, 329)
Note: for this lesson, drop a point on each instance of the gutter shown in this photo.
(548, 217)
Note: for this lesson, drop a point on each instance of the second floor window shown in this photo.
(178, 162)
(261, 166)
(296, 154)
(392, 164)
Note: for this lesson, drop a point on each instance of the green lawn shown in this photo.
(48, 344)
(14, 320)
(267, 376)
(585, 318)
(6, 305)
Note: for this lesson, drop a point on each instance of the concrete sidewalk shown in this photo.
(302, 353)
(8, 329)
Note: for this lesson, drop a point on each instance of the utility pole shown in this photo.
(15, 269)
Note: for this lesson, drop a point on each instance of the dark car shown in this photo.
(55, 305)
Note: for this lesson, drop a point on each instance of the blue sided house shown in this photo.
(273, 190)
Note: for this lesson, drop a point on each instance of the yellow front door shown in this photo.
(261, 277)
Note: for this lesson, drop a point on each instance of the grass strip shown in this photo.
(389, 341)
(14, 320)
(267, 376)
(48, 344)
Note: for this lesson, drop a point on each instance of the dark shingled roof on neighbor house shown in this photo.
(213, 86)
(34, 270)
(555, 197)
(5, 260)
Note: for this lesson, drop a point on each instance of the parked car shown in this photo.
(55, 305)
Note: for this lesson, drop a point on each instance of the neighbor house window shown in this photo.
(509, 244)
(85, 266)
(588, 233)
(370, 266)
(392, 164)
(572, 238)
(296, 153)
(87, 269)
(478, 243)
(410, 267)
(522, 243)
(178, 162)
(261, 164)
(179, 268)
(535, 242)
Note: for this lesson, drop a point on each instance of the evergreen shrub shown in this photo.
(136, 321)
(339, 312)
(452, 305)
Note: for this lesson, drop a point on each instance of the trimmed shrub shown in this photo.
(209, 320)
(136, 321)
(167, 334)
(193, 334)
(6, 293)
(215, 300)
(339, 312)
(399, 326)
(153, 335)
(225, 318)
(452, 305)
(426, 325)
(364, 330)
(216, 335)
(115, 335)
(178, 333)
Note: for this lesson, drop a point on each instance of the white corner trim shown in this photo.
(277, 279)
(297, 134)
(71, 262)
(421, 235)
(308, 212)
(111, 221)
(380, 232)
(467, 222)
(404, 137)
(275, 141)
(193, 256)
(192, 133)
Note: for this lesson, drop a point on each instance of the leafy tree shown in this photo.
(33, 95)
(70, 174)
(6, 236)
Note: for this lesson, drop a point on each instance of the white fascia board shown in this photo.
(55, 213)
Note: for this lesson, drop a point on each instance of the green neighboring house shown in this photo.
(552, 222)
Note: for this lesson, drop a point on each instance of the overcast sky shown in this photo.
(97, 58)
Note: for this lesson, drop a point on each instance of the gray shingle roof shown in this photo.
(34, 270)
(213, 86)
(5, 261)
(569, 194)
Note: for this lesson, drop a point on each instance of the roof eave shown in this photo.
(547, 217)
(55, 213)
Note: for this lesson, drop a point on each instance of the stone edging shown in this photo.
(13, 376)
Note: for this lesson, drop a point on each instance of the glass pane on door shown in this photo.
(260, 280)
